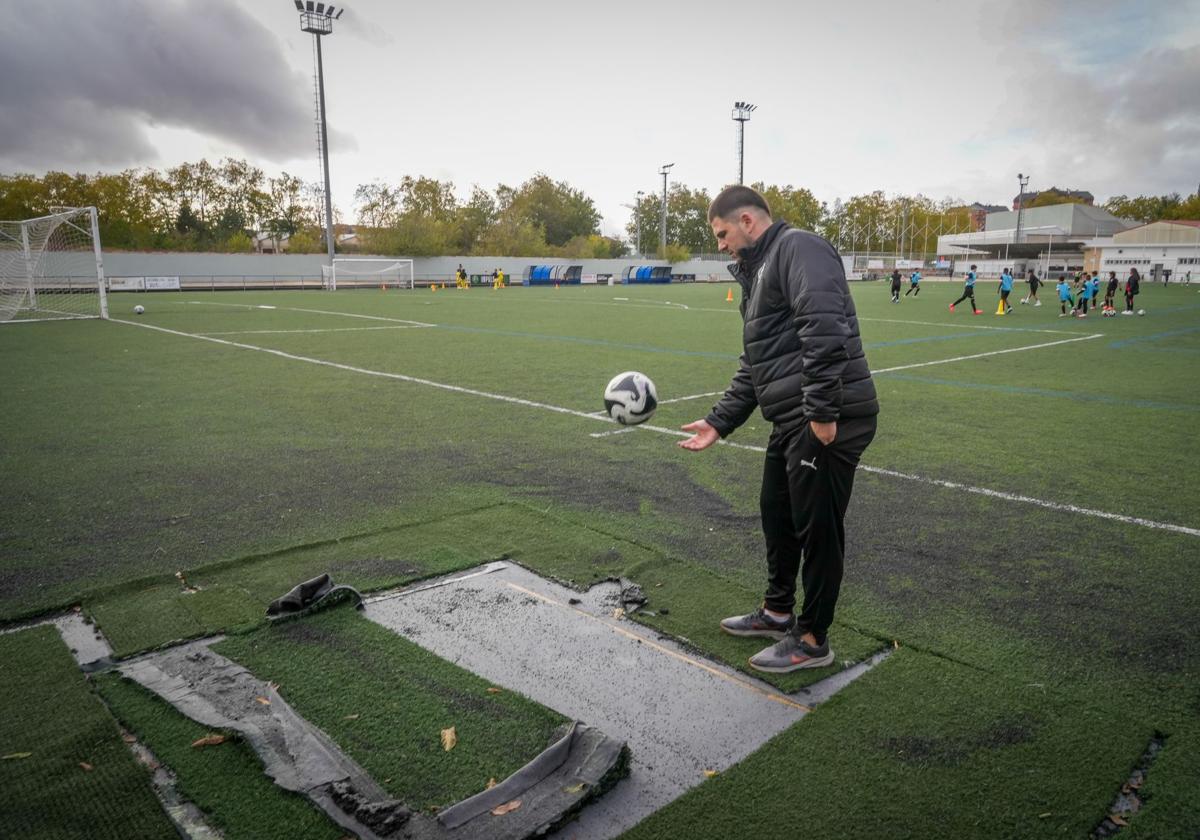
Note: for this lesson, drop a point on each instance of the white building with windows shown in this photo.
(1161, 251)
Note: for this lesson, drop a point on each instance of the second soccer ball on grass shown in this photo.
(630, 398)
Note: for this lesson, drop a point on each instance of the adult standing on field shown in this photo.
(803, 365)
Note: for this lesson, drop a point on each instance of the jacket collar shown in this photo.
(750, 259)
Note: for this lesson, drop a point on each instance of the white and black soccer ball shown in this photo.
(139, 309)
(630, 398)
(1141, 311)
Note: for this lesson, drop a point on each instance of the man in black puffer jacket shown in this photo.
(803, 365)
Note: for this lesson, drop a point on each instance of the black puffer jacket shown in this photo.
(803, 357)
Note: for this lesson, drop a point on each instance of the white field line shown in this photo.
(922, 364)
(982, 491)
(613, 432)
(990, 353)
(329, 330)
(691, 397)
(972, 325)
(313, 312)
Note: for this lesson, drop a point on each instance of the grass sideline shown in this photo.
(203, 455)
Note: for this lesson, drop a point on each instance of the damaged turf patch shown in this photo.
(225, 781)
(386, 701)
(64, 771)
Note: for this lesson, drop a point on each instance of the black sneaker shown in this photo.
(791, 654)
(758, 623)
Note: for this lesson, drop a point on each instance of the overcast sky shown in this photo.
(944, 97)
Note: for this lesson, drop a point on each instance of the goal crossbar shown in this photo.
(361, 272)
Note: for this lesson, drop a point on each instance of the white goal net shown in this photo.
(51, 267)
(353, 273)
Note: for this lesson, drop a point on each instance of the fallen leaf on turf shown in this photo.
(351, 717)
(710, 773)
(449, 739)
(129, 739)
(575, 788)
(1118, 819)
(263, 700)
(1047, 814)
(86, 766)
(209, 741)
(895, 644)
(15, 755)
(494, 690)
(506, 808)
(491, 783)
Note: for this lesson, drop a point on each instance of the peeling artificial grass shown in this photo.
(385, 701)
(49, 713)
(920, 747)
(225, 781)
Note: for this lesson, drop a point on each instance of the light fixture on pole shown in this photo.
(662, 242)
(1022, 183)
(741, 115)
(637, 218)
(318, 19)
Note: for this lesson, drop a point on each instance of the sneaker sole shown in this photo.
(823, 662)
(777, 635)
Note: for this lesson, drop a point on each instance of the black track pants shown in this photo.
(806, 489)
(968, 292)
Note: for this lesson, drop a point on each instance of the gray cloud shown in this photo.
(85, 79)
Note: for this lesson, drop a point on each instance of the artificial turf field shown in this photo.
(1026, 531)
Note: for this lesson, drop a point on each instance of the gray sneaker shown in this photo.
(791, 654)
(757, 623)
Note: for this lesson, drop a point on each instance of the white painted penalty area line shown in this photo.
(311, 312)
(327, 330)
(989, 353)
(974, 326)
(920, 364)
(458, 389)
(982, 491)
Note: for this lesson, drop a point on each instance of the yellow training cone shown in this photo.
(1000, 307)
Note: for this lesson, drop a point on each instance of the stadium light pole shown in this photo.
(1022, 183)
(741, 115)
(637, 208)
(318, 19)
(662, 242)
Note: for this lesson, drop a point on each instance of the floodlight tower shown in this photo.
(1022, 182)
(318, 19)
(637, 218)
(741, 115)
(663, 170)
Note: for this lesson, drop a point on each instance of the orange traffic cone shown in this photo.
(729, 296)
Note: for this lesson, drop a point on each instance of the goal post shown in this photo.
(52, 267)
(356, 272)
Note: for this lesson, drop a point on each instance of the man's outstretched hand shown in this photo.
(703, 436)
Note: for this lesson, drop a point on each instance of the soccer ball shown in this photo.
(139, 309)
(630, 398)
(1141, 311)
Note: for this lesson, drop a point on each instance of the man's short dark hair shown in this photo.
(732, 199)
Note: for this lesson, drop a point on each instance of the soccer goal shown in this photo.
(51, 267)
(353, 273)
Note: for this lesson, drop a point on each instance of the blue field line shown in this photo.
(1046, 392)
(1125, 342)
(598, 342)
(899, 341)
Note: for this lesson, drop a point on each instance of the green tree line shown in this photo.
(204, 206)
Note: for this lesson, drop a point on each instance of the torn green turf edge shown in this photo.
(107, 591)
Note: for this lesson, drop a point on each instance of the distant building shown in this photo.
(269, 243)
(978, 213)
(1051, 240)
(1159, 250)
(1026, 198)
